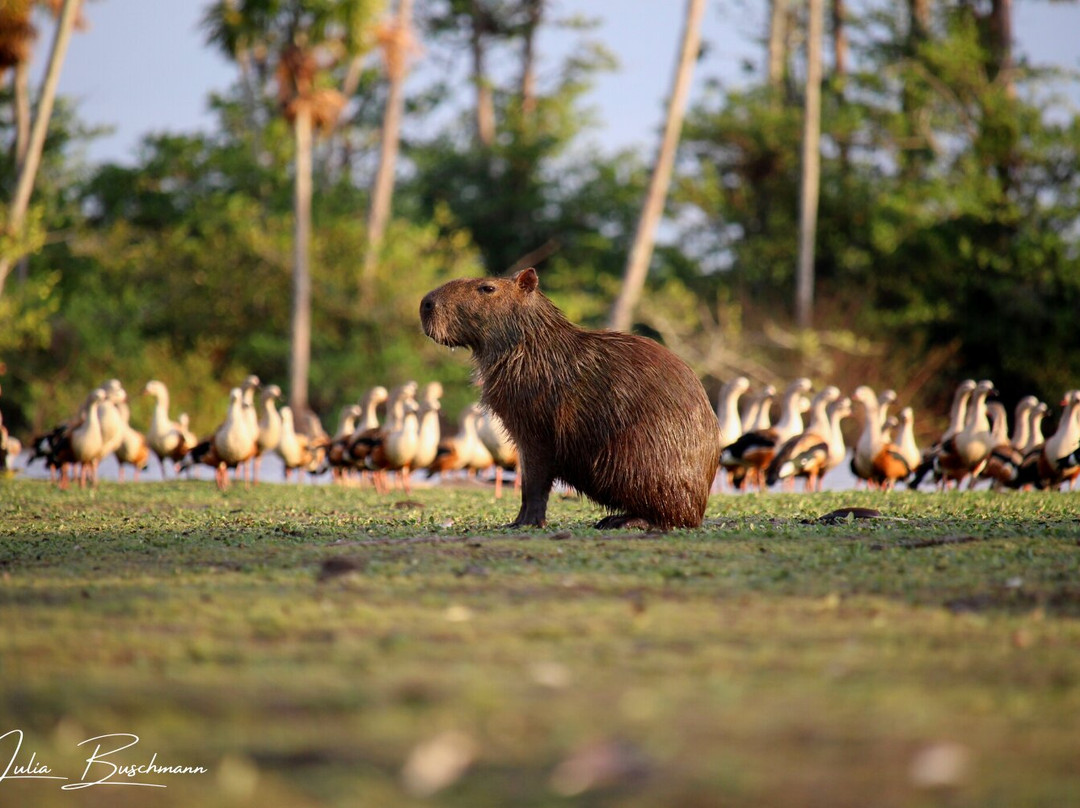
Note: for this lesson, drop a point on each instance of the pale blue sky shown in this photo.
(142, 65)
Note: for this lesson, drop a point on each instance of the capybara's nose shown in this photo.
(427, 305)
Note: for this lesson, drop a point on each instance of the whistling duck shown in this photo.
(10, 447)
(941, 457)
(4, 464)
(875, 460)
(251, 415)
(865, 448)
(429, 432)
(54, 447)
(727, 416)
(756, 449)
(347, 418)
(999, 422)
(57, 449)
(905, 437)
(838, 411)
(112, 424)
(755, 418)
(165, 436)
(456, 452)
(493, 435)
(184, 424)
(1035, 432)
(233, 441)
(886, 398)
(481, 459)
(134, 448)
(87, 442)
(727, 409)
(294, 447)
(1069, 465)
(963, 453)
(369, 404)
(1003, 463)
(758, 410)
(1022, 422)
(1028, 472)
(267, 427)
(975, 441)
(806, 454)
(792, 405)
(336, 449)
(889, 429)
(359, 445)
(1056, 464)
(396, 447)
(247, 390)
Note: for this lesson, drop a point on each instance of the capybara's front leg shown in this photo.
(536, 481)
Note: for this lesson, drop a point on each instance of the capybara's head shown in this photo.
(483, 313)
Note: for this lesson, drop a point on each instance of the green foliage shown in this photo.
(947, 242)
(947, 211)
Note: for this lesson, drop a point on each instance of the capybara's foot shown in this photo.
(624, 521)
(519, 523)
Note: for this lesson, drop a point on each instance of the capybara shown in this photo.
(618, 417)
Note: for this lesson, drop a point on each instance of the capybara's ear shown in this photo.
(527, 280)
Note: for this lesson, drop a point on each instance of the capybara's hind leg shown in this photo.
(624, 521)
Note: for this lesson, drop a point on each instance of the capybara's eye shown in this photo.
(486, 288)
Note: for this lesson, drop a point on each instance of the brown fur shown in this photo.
(616, 416)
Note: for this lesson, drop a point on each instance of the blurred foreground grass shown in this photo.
(322, 646)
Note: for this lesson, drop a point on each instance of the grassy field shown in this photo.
(322, 646)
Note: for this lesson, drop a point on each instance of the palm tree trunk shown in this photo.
(840, 40)
(637, 265)
(300, 352)
(485, 102)
(778, 18)
(22, 113)
(21, 87)
(811, 168)
(383, 192)
(1001, 30)
(29, 167)
(840, 54)
(528, 59)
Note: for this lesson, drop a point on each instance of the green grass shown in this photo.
(300, 642)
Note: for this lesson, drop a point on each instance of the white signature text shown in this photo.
(103, 767)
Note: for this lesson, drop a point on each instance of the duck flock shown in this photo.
(977, 445)
(409, 438)
(756, 452)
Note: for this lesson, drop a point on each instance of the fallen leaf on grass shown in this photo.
(437, 763)
(553, 675)
(458, 614)
(238, 776)
(601, 764)
(940, 765)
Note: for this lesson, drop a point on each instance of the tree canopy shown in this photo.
(947, 243)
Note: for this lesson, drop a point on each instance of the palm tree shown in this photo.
(17, 35)
(397, 41)
(303, 36)
(29, 158)
(811, 167)
(778, 19)
(637, 264)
